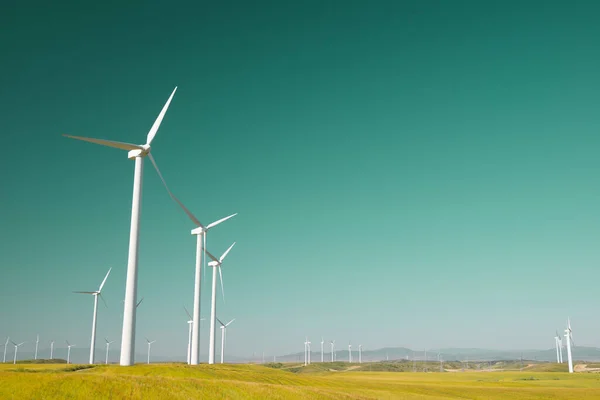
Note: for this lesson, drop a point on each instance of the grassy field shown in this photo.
(283, 381)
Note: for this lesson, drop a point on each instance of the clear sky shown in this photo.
(407, 173)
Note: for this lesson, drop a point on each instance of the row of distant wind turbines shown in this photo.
(559, 345)
(35, 357)
(307, 344)
(138, 153)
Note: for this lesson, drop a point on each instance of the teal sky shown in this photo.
(407, 173)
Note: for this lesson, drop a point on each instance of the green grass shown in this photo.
(283, 381)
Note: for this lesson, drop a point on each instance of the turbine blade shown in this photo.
(104, 301)
(67, 342)
(221, 322)
(86, 292)
(187, 312)
(146, 339)
(226, 252)
(139, 302)
(156, 124)
(109, 143)
(184, 208)
(219, 221)
(104, 281)
(211, 256)
(221, 279)
(227, 324)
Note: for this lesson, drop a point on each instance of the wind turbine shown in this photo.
(223, 333)
(216, 264)
(349, 352)
(557, 343)
(16, 348)
(5, 346)
(360, 353)
(52, 350)
(190, 326)
(560, 347)
(137, 152)
(569, 336)
(200, 233)
(96, 294)
(37, 341)
(322, 341)
(69, 351)
(149, 345)
(332, 350)
(107, 346)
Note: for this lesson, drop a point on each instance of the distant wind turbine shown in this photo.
(560, 347)
(322, 341)
(349, 353)
(557, 344)
(69, 345)
(52, 350)
(16, 349)
(107, 346)
(360, 353)
(5, 346)
(223, 333)
(332, 343)
(37, 341)
(569, 336)
(96, 294)
(137, 152)
(216, 265)
(149, 345)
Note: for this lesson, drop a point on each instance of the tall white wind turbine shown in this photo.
(107, 346)
(96, 294)
(69, 345)
(37, 341)
(16, 349)
(5, 346)
(52, 350)
(360, 353)
(322, 342)
(216, 265)
(223, 333)
(569, 336)
(137, 152)
(149, 345)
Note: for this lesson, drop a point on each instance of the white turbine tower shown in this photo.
(216, 264)
(569, 336)
(560, 347)
(107, 346)
(190, 330)
(308, 350)
(223, 333)
(322, 342)
(557, 344)
(305, 351)
(96, 294)
(360, 353)
(37, 341)
(69, 345)
(349, 353)
(137, 152)
(332, 350)
(149, 345)
(16, 349)
(5, 346)
(52, 350)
